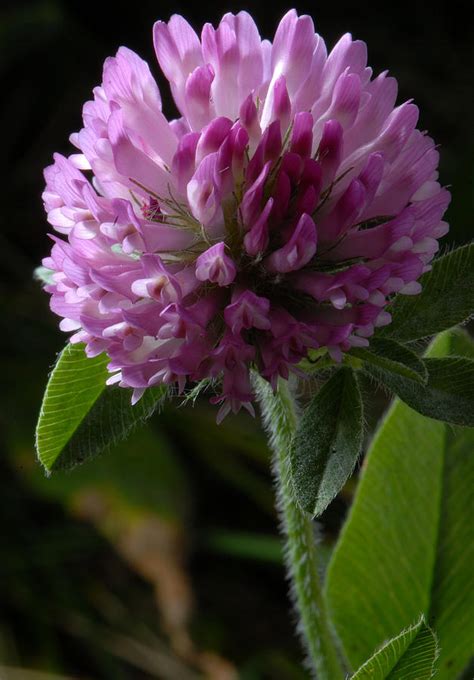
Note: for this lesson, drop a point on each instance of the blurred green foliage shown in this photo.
(161, 558)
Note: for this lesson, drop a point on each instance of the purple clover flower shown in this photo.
(278, 215)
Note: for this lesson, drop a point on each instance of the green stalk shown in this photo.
(280, 419)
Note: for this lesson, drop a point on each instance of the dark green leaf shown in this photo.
(390, 356)
(446, 300)
(409, 656)
(328, 442)
(448, 394)
(80, 416)
(111, 419)
(407, 545)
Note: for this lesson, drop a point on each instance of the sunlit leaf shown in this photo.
(407, 545)
(80, 416)
(409, 656)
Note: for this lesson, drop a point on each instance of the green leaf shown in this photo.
(111, 419)
(80, 416)
(409, 656)
(448, 394)
(390, 356)
(327, 442)
(407, 545)
(456, 342)
(446, 300)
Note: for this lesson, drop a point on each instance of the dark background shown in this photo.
(161, 559)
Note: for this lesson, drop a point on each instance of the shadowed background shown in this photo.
(161, 559)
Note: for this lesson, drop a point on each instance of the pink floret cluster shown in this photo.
(278, 215)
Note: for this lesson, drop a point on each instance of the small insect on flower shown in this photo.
(277, 215)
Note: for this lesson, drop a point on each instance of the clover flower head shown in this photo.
(278, 215)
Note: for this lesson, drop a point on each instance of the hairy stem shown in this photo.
(280, 418)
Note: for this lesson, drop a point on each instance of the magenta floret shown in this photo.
(278, 215)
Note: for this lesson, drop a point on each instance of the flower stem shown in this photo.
(280, 417)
